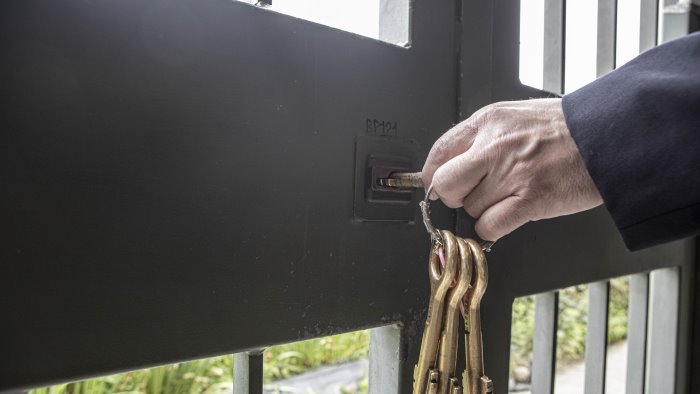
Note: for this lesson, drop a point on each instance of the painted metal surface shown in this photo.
(385, 360)
(178, 183)
(544, 342)
(248, 370)
(637, 333)
(694, 378)
(178, 180)
(607, 34)
(554, 45)
(663, 331)
(596, 337)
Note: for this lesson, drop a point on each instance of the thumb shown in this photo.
(503, 217)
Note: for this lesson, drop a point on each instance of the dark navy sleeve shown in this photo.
(638, 131)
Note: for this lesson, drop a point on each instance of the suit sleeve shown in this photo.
(638, 131)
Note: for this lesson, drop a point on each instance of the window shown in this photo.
(384, 20)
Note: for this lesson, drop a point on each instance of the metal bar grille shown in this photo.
(554, 45)
(545, 344)
(659, 341)
(248, 373)
(384, 360)
(637, 333)
(607, 28)
(648, 24)
(663, 331)
(596, 337)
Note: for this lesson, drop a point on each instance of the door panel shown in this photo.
(178, 180)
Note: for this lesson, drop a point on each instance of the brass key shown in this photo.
(403, 180)
(449, 340)
(474, 379)
(435, 371)
(440, 282)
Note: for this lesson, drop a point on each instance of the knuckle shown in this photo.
(492, 111)
(450, 203)
(526, 207)
(472, 206)
(445, 194)
(443, 187)
(443, 176)
(484, 110)
(441, 150)
(471, 210)
(484, 229)
(466, 127)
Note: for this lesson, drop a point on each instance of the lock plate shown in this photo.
(377, 158)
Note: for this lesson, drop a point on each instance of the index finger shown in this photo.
(450, 145)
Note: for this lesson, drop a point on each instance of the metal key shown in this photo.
(449, 339)
(402, 180)
(454, 387)
(407, 181)
(474, 379)
(440, 282)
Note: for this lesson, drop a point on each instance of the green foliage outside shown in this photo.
(571, 331)
(294, 358)
(208, 376)
(214, 375)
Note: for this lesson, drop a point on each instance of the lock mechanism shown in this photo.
(378, 161)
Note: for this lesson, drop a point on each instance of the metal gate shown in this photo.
(206, 164)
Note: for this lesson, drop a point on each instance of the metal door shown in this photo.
(189, 178)
(178, 180)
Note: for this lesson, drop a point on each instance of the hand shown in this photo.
(508, 164)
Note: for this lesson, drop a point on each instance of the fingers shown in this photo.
(456, 141)
(454, 180)
(487, 193)
(503, 217)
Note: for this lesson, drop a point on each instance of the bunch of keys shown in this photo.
(458, 277)
(458, 286)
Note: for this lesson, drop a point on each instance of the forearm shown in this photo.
(638, 131)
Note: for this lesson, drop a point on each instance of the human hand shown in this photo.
(508, 164)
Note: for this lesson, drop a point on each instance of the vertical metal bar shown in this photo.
(545, 342)
(554, 45)
(694, 348)
(637, 333)
(596, 337)
(648, 24)
(384, 360)
(675, 19)
(663, 331)
(248, 373)
(395, 21)
(475, 87)
(240, 373)
(607, 36)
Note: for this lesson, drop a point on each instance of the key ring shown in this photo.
(435, 236)
(425, 211)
